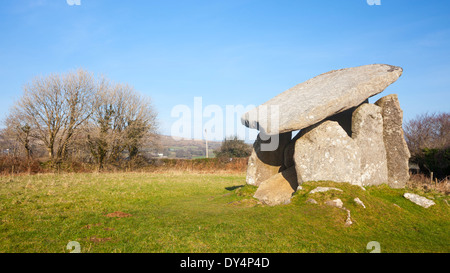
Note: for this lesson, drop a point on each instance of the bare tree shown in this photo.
(74, 113)
(80, 89)
(430, 131)
(9, 143)
(18, 129)
(122, 121)
(100, 128)
(428, 138)
(55, 106)
(140, 122)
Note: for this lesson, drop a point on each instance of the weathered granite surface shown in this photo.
(327, 153)
(320, 97)
(278, 189)
(397, 152)
(367, 131)
(264, 164)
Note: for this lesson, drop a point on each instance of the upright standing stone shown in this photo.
(345, 121)
(290, 147)
(289, 151)
(367, 131)
(326, 152)
(264, 164)
(345, 118)
(397, 151)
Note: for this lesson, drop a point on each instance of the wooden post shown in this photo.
(206, 139)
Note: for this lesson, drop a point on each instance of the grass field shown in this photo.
(185, 212)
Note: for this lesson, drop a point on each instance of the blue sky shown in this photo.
(229, 52)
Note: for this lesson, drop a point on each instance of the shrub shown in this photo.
(233, 147)
(15, 165)
(436, 161)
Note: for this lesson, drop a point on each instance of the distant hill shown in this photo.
(185, 148)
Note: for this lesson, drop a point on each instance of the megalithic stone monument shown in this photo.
(342, 137)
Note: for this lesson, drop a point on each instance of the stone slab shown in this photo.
(320, 97)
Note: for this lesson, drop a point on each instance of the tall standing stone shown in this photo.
(262, 163)
(397, 151)
(326, 152)
(289, 151)
(343, 118)
(367, 131)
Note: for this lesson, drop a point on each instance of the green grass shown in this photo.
(207, 213)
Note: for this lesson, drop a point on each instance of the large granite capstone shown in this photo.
(320, 97)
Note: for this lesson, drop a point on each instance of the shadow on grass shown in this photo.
(233, 188)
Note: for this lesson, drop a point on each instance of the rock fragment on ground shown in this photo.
(311, 201)
(348, 221)
(419, 200)
(278, 189)
(359, 202)
(335, 203)
(323, 189)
